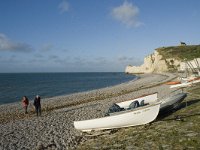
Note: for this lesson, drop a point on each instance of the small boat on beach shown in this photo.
(186, 84)
(171, 102)
(148, 99)
(173, 82)
(134, 117)
(182, 81)
(168, 103)
(128, 117)
(148, 110)
(190, 78)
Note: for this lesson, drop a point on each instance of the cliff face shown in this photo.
(171, 58)
(155, 63)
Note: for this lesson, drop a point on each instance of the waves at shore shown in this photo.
(15, 85)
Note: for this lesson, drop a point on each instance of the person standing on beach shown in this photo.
(37, 105)
(25, 103)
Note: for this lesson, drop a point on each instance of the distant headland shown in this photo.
(169, 59)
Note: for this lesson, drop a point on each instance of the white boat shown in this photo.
(168, 103)
(187, 79)
(185, 84)
(132, 117)
(148, 99)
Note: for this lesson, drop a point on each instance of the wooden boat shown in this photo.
(132, 117)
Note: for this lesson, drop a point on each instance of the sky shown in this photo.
(91, 35)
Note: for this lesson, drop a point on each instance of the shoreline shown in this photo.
(62, 86)
(69, 94)
(138, 76)
(58, 113)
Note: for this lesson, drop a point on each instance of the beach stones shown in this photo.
(55, 130)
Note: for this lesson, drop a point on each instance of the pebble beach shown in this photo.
(54, 129)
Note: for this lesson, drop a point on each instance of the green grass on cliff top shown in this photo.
(187, 52)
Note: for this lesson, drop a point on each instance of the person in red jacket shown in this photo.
(25, 103)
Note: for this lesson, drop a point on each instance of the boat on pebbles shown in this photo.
(133, 112)
(186, 83)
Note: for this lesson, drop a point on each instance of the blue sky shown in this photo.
(91, 35)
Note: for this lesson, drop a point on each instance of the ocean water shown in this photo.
(13, 86)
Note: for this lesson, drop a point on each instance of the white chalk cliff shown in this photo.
(154, 63)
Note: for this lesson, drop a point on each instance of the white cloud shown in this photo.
(63, 7)
(125, 60)
(127, 14)
(8, 45)
(47, 47)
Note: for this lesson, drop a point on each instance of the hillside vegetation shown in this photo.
(187, 52)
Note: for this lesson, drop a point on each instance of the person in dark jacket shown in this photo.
(25, 103)
(37, 105)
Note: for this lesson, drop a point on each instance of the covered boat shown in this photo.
(171, 102)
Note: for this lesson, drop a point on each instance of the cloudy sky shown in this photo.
(91, 35)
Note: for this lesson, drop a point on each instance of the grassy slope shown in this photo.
(165, 133)
(187, 52)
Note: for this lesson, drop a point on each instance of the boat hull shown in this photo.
(166, 104)
(148, 99)
(133, 117)
(138, 116)
(186, 84)
(171, 102)
(173, 83)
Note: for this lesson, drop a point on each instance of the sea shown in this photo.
(13, 86)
